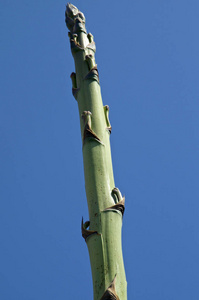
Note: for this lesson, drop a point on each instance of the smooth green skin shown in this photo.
(105, 247)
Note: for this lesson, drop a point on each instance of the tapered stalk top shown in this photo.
(102, 232)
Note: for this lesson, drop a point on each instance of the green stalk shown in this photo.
(105, 203)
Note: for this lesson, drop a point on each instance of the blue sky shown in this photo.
(147, 55)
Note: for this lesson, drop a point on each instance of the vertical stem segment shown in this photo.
(105, 203)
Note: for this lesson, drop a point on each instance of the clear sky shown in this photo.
(148, 60)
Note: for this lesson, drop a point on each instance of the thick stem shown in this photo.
(105, 204)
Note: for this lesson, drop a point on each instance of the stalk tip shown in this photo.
(74, 18)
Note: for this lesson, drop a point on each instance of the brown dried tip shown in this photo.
(110, 293)
(120, 206)
(93, 74)
(88, 132)
(86, 233)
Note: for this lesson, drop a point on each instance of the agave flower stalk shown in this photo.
(102, 232)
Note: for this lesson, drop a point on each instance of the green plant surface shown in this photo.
(102, 232)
